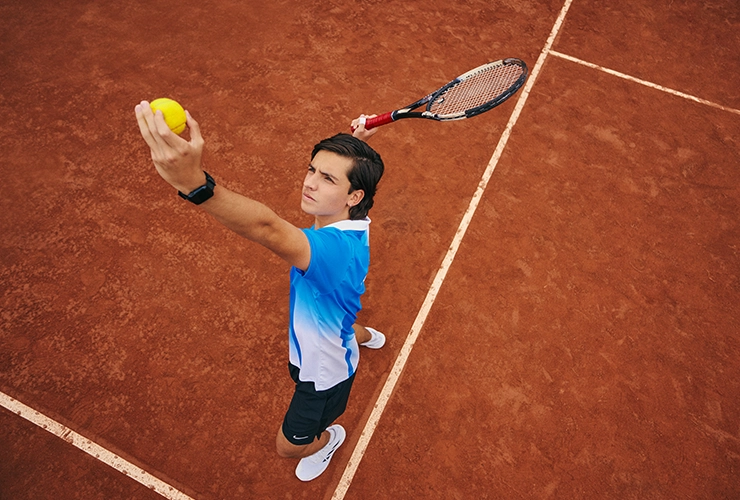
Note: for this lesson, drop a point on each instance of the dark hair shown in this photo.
(365, 173)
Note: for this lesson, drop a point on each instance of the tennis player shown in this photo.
(329, 265)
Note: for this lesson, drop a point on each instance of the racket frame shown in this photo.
(429, 100)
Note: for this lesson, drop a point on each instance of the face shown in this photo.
(326, 188)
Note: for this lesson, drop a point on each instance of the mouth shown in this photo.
(308, 197)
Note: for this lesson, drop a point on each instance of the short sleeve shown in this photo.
(331, 254)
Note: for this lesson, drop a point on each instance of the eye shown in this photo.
(326, 177)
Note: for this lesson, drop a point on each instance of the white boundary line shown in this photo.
(171, 493)
(403, 356)
(92, 449)
(643, 82)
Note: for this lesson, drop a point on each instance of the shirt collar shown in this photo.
(351, 225)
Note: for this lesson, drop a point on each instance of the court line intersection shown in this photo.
(167, 491)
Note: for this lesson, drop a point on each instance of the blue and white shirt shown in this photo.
(325, 300)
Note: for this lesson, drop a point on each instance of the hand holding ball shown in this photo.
(174, 114)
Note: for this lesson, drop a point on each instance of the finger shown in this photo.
(196, 139)
(158, 127)
(162, 128)
(365, 134)
(149, 124)
(164, 144)
(148, 115)
(168, 138)
(358, 123)
(144, 124)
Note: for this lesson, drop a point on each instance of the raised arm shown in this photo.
(179, 163)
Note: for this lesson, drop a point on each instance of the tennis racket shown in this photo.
(470, 94)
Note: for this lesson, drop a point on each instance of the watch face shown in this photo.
(201, 194)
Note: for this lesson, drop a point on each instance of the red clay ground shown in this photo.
(584, 344)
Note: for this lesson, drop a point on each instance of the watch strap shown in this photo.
(202, 193)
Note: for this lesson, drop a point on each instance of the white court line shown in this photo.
(644, 82)
(403, 355)
(169, 492)
(92, 449)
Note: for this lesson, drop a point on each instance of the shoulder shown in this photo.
(337, 247)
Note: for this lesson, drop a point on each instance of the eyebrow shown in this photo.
(323, 173)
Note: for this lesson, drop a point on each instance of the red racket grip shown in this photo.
(377, 121)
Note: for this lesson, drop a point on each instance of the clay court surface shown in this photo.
(582, 342)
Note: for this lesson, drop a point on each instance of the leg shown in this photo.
(308, 419)
(309, 414)
(361, 333)
(286, 449)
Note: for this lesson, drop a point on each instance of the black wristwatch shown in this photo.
(201, 194)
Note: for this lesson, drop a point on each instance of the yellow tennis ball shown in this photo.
(174, 115)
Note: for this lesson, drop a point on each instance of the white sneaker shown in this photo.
(376, 341)
(312, 466)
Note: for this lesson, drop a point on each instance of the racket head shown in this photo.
(478, 90)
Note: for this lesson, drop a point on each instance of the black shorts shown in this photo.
(311, 411)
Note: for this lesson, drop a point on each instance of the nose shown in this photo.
(310, 181)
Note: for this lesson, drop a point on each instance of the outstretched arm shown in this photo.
(179, 163)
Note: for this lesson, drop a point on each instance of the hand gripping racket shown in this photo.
(475, 92)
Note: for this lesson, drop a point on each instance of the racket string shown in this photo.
(478, 89)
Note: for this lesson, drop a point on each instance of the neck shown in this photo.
(325, 220)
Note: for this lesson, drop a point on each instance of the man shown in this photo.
(329, 265)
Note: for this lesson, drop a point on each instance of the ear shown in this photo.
(355, 197)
